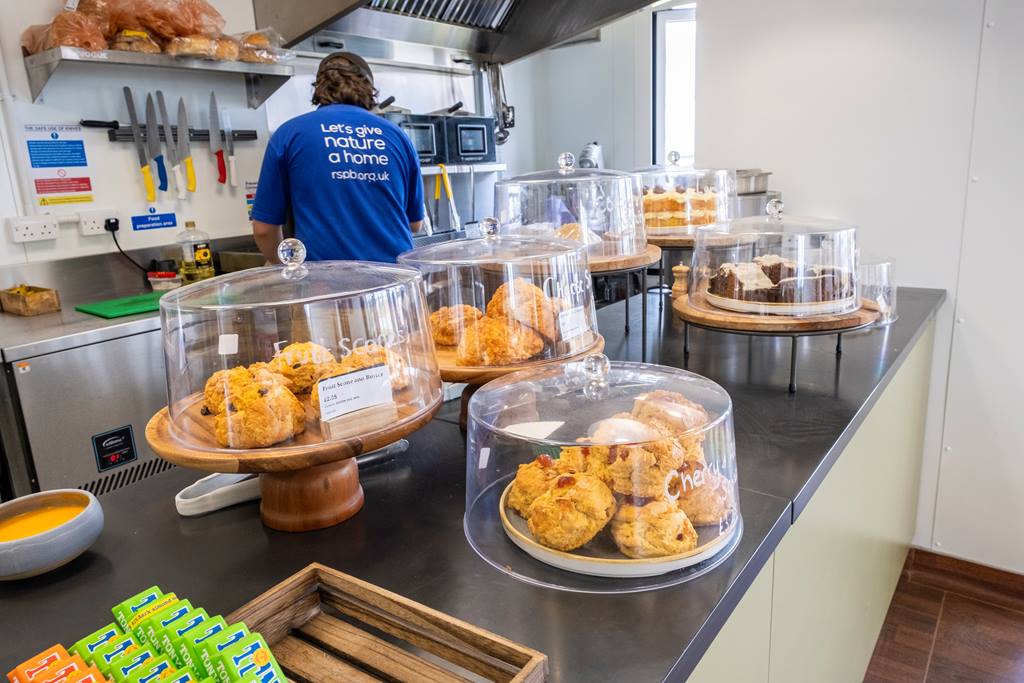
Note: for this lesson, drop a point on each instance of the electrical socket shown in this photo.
(90, 221)
(33, 229)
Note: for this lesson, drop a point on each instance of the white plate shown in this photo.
(600, 557)
(812, 308)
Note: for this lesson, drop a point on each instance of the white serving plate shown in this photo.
(600, 557)
(812, 308)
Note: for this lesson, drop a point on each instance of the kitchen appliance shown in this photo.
(751, 180)
(427, 134)
(470, 139)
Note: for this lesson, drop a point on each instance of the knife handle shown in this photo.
(179, 181)
(190, 173)
(232, 173)
(161, 171)
(222, 170)
(147, 179)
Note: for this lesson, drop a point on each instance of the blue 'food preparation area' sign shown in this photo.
(152, 221)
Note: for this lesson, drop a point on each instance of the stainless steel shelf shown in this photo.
(261, 80)
(465, 168)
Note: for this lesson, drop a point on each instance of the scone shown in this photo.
(258, 417)
(526, 303)
(624, 428)
(448, 322)
(571, 511)
(533, 479)
(671, 409)
(647, 470)
(656, 529)
(705, 496)
(494, 341)
(223, 383)
(374, 354)
(298, 364)
(593, 460)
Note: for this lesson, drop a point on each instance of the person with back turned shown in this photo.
(350, 179)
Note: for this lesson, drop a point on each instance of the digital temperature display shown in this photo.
(114, 448)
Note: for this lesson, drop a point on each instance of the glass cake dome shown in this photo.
(678, 199)
(776, 265)
(598, 207)
(599, 476)
(296, 356)
(503, 300)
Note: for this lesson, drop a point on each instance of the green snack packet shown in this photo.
(189, 645)
(249, 657)
(127, 609)
(113, 649)
(167, 636)
(124, 666)
(95, 640)
(153, 670)
(211, 649)
(186, 675)
(148, 629)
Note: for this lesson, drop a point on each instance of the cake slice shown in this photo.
(743, 281)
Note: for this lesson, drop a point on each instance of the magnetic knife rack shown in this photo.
(124, 134)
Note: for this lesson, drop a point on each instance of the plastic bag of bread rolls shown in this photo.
(134, 40)
(262, 47)
(114, 15)
(68, 28)
(168, 19)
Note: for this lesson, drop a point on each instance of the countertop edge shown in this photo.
(808, 490)
(708, 631)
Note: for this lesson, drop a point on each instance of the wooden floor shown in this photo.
(951, 620)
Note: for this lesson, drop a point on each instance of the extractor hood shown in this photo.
(498, 31)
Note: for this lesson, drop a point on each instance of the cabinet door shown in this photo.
(70, 396)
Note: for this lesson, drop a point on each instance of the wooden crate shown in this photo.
(29, 300)
(323, 625)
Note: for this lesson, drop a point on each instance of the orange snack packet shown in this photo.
(61, 670)
(33, 666)
(90, 675)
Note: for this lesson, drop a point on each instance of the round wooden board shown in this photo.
(668, 240)
(605, 264)
(450, 372)
(706, 315)
(202, 452)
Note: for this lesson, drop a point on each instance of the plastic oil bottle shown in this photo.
(196, 256)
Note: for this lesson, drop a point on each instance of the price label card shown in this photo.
(354, 391)
(573, 323)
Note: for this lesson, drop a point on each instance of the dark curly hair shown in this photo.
(344, 78)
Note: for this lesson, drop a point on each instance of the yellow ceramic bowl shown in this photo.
(43, 531)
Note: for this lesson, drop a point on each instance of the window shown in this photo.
(675, 70)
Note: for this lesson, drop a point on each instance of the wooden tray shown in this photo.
(450, 372)
(323, 625)
(700, 312)
(606, 264)
(671, 240)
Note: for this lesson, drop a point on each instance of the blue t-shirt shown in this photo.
(351, 179)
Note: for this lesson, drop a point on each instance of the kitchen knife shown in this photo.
(172, 149)
(229, 141)
(153, 141)
(185, 146)
(140, 146)
(216, 144)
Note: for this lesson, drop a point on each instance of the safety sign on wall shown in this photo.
(59, 168)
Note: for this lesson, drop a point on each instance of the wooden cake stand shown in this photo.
(476, 377)
(306, 484)
(627, 265)
(694, 310)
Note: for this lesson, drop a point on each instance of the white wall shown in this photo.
(863, 110)
(980, 510)
(570, 96)
(95, 93)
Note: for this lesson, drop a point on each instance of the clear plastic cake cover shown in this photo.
(678, 199)
(504, 300)
(776, 265)
(599, 476)
(297, 355)
(598, 207)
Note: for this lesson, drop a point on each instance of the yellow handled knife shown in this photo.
(140, 146)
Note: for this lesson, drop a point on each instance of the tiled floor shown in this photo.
(951, 621)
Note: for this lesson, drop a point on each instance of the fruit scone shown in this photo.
(528, 304)
(704, 495)
(299, 364)
(448, 323)
(252, 410)
(497, 341)
(571, 511)
(655, 529)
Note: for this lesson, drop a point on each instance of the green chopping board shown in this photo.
(129, 305)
